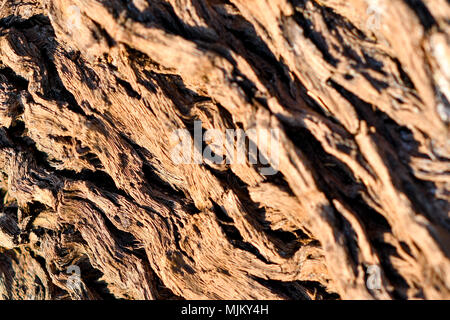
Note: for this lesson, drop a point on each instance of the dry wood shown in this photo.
(92, 90)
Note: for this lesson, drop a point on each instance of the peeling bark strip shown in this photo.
(94, 207)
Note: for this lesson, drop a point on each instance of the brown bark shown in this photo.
(91, 91)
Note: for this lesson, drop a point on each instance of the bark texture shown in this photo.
(91, 91)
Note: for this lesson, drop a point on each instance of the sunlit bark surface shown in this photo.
(91, 92)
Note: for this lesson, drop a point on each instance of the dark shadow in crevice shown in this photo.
(297, 290)
(316, 37)
(16, 80)
(20, 23)
(421, 10)
(233, 235)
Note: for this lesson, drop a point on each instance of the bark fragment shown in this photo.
(91, 92)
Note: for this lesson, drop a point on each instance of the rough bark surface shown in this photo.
(91, 91)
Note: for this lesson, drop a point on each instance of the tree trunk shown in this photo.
(94, 97)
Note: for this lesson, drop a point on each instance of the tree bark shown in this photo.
(92, 92)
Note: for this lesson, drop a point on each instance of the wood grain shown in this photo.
(91, 92)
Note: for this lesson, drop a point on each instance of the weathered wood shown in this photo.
(92, 91)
